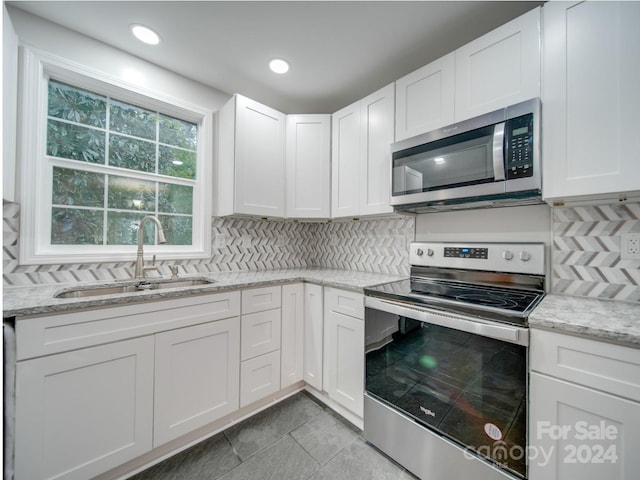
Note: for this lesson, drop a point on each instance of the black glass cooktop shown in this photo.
(496, 303)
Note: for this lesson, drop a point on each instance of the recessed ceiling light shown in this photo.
(145, 34)
(279, 65)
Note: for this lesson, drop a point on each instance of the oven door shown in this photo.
(464, 379)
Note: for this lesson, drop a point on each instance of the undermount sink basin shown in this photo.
(136, 287)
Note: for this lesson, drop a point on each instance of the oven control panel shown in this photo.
(466, 252)
(526, 258)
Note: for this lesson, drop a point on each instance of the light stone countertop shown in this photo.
(606, 320)
(39, 299)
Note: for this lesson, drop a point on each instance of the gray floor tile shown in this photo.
(284, 460)
(261, 430)
(324, 436)
(359, 461)
(205, 461)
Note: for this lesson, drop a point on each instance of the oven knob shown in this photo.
(429, 252)
(507, 254)
(419, 252)
(525, 256)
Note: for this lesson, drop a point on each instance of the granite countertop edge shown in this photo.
(605, 320)
(25, 300)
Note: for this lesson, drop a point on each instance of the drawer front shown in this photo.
(260, 333)
(259, 377)
(260, 299)
(344, 301)
(611, 368)
(44, 335)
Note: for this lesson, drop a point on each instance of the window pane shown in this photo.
(175, 198)
(76, 105)
(178, 132)
(122, 229)
(131, 194)
(76, 227)
(75, 187)
(177, 230)
(65, 140)
(126, 152)
(132, 120)
(177, 163)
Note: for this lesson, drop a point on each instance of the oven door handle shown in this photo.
(516, 335)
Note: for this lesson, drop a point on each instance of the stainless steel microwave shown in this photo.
(490, 160)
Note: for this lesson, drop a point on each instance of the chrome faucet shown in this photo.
(139, 273)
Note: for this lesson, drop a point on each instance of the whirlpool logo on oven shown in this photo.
(426, 411)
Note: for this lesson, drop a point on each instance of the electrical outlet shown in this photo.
(630, 246)
(219, 241)
(246, 241)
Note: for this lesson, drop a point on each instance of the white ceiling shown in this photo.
(339, 51)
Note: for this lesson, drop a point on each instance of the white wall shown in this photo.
(41, 34)
(9, 104)
(505, 224)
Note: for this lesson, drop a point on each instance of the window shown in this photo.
(107, 157)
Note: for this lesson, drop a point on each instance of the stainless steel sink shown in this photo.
(131, 288)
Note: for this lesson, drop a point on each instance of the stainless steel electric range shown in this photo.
(446, 360)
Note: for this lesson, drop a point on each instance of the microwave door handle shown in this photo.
(498, 152)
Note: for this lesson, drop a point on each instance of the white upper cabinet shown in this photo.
(591, 99)
(424, 98)
(250, 173)
(500, 68)
(361, 137)
(308, 168)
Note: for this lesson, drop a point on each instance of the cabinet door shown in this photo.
(83, 412)
(377, 132)
(197, 377)
(259, 159)
(591, 99)
(313, 344)
(345, 161)
(259, 377)
(308, 166)
(344, 360)
(579, 433)
(500, 68)
(291, 347)
(424, 98)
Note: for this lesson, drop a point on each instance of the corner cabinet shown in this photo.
(500, 68)
(591, 100)
(292, 344)
(584, 419)
(250, 168)
(313, 328)
(362, 134)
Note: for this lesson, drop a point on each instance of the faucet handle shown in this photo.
(174, 271)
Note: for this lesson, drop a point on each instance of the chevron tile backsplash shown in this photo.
(243, 244)
(586, 252)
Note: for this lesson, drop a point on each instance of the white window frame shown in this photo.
(35, 171)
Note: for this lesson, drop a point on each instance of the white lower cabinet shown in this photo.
(196, 378)
(343, 366)
(260, 343)
(292, 340)
(313, 327)
(259, 377)
(584, 418)
(83, 412)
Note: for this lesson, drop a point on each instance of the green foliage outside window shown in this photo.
(97, 208)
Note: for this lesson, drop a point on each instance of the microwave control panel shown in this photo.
(519, 147)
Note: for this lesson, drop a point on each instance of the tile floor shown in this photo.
(297, 439)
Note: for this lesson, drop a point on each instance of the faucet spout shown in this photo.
(139, 273)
